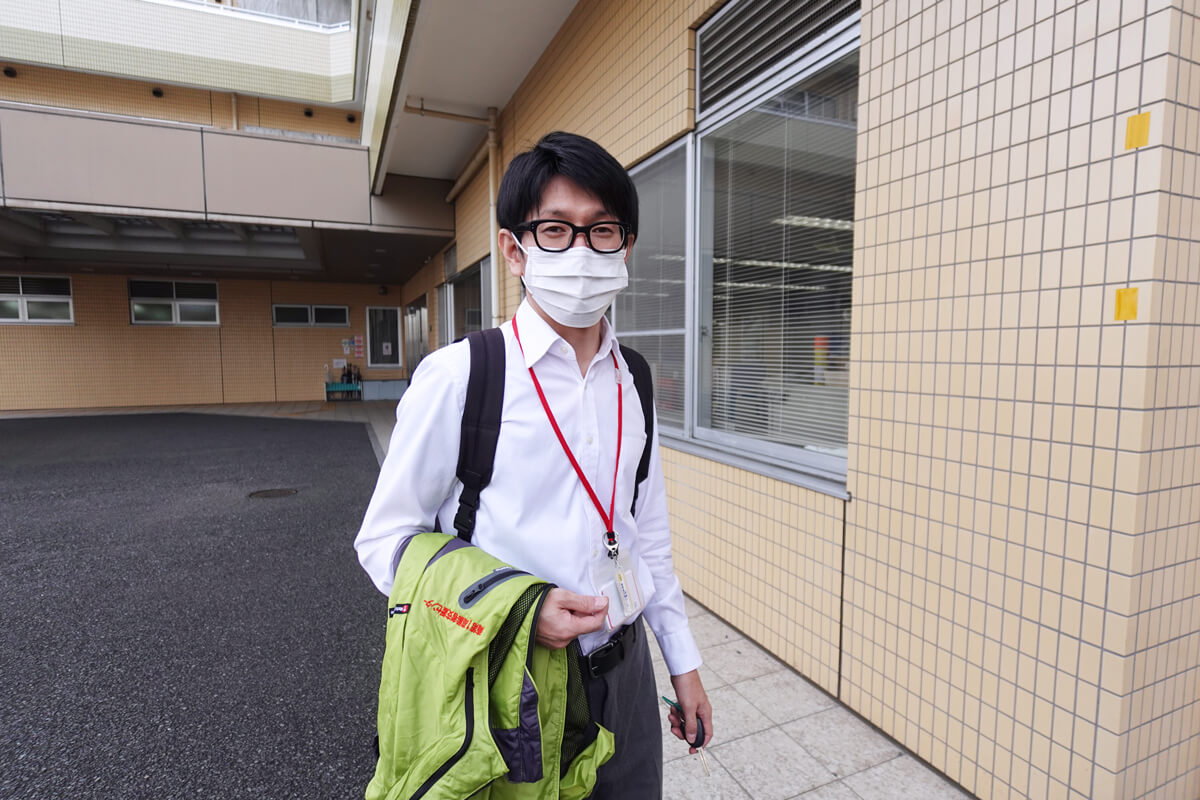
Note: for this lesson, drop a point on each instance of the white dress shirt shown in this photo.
(535, 514)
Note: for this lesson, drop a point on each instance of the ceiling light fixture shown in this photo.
(816, 222)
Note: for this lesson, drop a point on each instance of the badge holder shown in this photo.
(616, 579)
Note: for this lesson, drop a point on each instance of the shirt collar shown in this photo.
(537, 337)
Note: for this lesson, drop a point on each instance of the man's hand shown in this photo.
(566, 615)
(690, 694)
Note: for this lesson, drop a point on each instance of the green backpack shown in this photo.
(469, 705)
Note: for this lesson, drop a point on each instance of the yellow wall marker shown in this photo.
(1126, 304)
(1137, 131)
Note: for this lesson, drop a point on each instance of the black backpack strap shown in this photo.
(644, 383)
(480, 424)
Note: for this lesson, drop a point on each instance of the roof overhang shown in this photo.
(463, 57)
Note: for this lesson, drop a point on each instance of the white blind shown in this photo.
(650, 314)
(777, 238)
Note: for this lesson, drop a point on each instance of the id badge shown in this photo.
(616, 579)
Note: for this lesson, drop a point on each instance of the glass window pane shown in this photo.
(151, 289)
(331, 315)
(777, 202)
(10, 284)
(53, 286)
(195, 291)
(383, 337)
(291, 315)
(197, 312)
(416, 338)
(10, 309)
(650, 314)
(152, 312)
(468, 305)
(48, 309)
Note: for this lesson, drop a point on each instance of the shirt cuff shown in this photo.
(679, 651)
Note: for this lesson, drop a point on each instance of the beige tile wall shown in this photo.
(763, 554)
(1002, 619)
(1158, 743)
(103, 360)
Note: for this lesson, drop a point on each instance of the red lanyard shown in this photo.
(610, 536)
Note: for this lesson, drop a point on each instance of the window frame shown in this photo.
(823, 472)
(687, 144)
(175, 302)
(23, 301)
(399, 365)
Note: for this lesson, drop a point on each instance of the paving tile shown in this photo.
(841, 741)
(830, 791)
(710, 631)
(902, 778)
(741, 660)
(734, 716)
(770, 765)
(662, 677)
(784, 696)
(693, 608)
(672, 748)
(684, 779)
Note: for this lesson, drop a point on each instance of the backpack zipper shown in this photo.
(485, 584)
(441, 771)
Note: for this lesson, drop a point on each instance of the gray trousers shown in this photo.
(625, 701)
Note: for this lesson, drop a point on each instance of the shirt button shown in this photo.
(589, 440)
(562, 348)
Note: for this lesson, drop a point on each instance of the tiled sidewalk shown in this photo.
(776, 737)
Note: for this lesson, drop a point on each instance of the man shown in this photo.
(572, 433)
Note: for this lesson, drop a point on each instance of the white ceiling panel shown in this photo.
(465, 55)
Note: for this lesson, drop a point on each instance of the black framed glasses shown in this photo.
(557, 235)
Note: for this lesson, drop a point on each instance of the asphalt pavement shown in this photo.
(165, 635)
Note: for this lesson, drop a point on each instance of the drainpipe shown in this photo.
(493, 166)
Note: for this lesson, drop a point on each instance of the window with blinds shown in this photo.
(776, 246)
(173, 303)
(649, 315)
(35, 299)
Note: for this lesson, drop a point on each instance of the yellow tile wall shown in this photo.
(471, 227)
(301, 353)
(82, 91)
(247, 350)
(619, 72)
(104, 361)
(1005, 619)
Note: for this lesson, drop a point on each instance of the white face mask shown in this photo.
(574, 287)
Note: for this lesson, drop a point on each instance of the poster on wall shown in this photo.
(358, 346)
(345, 347)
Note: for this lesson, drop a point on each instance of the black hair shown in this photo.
(572, 156)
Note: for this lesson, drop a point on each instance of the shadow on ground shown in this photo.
(163, 634)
